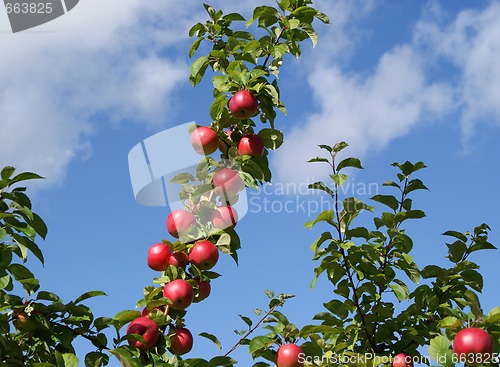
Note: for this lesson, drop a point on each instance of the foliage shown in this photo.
(384, 303)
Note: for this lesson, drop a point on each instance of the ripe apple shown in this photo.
(204, 255)
(179, 259)
(180, 293)
(181, 341)
(473, 345)
(289, 355)
(224, 217)
(203, 290)
(179, 222)
(23, 323)
(227, 182)
(147, 328)
(204, 140)
(251, 145)
(158, 256)
(243, 104)
(402, 360)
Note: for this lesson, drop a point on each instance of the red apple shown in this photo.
(180, 293)
(23, 323)
(473, 345)
(204, 255)
(251, 145)
(179, 259)
(158, 256)
(203, 290)
(147, 328)
(224, 217)
(179, 222)
(290, 355)
(181, 341)
(204, 140)
(227, 182)
(402, 360)
(243, 105)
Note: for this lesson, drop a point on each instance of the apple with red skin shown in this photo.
(179, 259)
(203, 290)
(252, 145)
(204, 140)
(224, 217)
(289, 355)
(402, 360)
(204, 255)
(181, 341)
(180, 293)
(179, 222)
(159, 256)
(227, 182)
(145, 327)
(243, 104)
(473, 345)
(23, 323)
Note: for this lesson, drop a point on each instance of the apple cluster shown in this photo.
(185, 265)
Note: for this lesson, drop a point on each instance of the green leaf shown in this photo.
(223, 361)
(259, 343)
(126, 316)
(462, 237)
(349, 162)
(7, 172)
(182, 178)
(456, 251)
(329, 148)
(39, 225)
(198, 69)
(66, 359)
(272, 138)
(325, 216)
(388, 200)
(339, 178)
(96, 359)
(449, 322)
(493, 316)
(88, 295)
(247, 320)
(125, 357)
(217, 106)
(439, 350)
(48, 296)
(321, 186)
(415, 184)
(26, 176)
(318, 159)
(399, 291)
(212, 338)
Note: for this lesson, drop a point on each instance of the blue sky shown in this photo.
(399, 81)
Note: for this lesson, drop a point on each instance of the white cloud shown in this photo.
(369, 109)
(101, 58)
(471, 42)
(367, 112)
